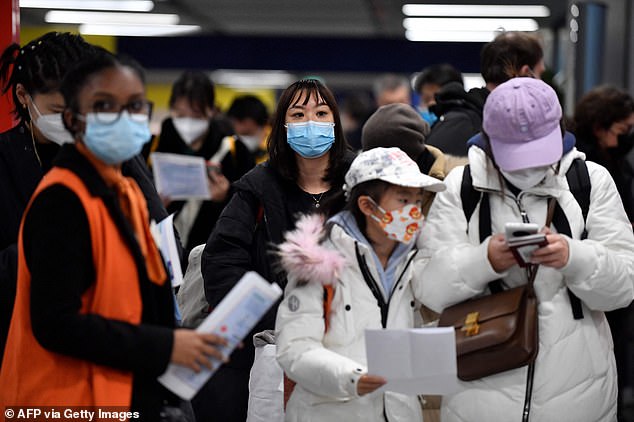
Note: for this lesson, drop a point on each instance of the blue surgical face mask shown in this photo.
(427, 115)
(310, 139)
(114, 143)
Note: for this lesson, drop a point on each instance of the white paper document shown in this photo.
(232, 319)
(165, 239)
(178, 176)
(414, 361)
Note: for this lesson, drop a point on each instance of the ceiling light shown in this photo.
(137, 30)
(470, 24)
(246, 79)
(63, 16)
(450, 36)
(114, 5)
(482, 10)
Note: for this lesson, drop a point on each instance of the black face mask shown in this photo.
(625, 143)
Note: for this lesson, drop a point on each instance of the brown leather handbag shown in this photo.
(494, 333)
(497, 332)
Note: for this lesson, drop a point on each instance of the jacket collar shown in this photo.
(69, 158)
(486, 176)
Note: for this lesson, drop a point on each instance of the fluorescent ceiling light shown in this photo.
(470, 24)
(245, 79)
(63, 16)
(482, 10)
(137, 30)
(450, 36)
(114, 5)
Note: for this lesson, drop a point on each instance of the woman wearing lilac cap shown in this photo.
(517, 169)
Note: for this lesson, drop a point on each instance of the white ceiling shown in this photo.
(323, 18)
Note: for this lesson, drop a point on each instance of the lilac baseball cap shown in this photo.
(522, 120)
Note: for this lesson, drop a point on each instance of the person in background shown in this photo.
(429, 82)
(399, 125)
(33, 75)
(509, 55)
(603, 119)
(356, 107)
(250, 120)
(93, 323)
(363, 254)
(195, 128)
(391, 88)
(308, 158)
(522, 165)
(602, 123)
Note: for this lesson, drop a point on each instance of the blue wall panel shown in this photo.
(298, 54)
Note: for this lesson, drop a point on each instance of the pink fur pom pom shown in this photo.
(302, 255)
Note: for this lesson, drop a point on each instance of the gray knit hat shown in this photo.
(396, 125)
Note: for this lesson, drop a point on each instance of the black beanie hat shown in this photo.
(396, 125)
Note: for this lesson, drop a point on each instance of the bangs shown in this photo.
(305, 90)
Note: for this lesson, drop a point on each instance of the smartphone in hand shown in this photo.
(523, 239)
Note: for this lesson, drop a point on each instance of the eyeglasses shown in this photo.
(104, 111)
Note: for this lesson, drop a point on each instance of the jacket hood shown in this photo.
(304, 257)
(453, 95)
(486, 176)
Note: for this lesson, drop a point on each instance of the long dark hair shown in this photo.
(281, 156)
(41, 65)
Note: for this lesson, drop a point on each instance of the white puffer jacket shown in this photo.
(575, 373)
(327, 365)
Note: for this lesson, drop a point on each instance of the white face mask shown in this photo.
(51, 126)
(189, 128)
(252, 142)
(526, 178)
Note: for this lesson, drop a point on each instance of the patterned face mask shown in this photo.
(401, 224)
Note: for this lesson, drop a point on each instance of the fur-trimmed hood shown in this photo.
(303, 256)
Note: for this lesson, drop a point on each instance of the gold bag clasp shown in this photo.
(471, 326)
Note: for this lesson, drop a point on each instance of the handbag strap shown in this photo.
(531, 270)
(532, 273)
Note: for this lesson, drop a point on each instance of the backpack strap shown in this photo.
(470, 198)
(580, 186)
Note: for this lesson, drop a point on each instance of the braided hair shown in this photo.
(40, 65)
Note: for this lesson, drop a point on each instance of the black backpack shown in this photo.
(580, 186)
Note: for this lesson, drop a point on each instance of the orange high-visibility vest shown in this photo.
(33, 375)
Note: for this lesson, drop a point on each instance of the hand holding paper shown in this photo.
(232, 319)
(179, 176)
(414, 361)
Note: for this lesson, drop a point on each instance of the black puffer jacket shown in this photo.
(459, 118)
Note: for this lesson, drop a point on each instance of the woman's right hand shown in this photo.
(499, 253)
(369, 383)
(193, 349)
